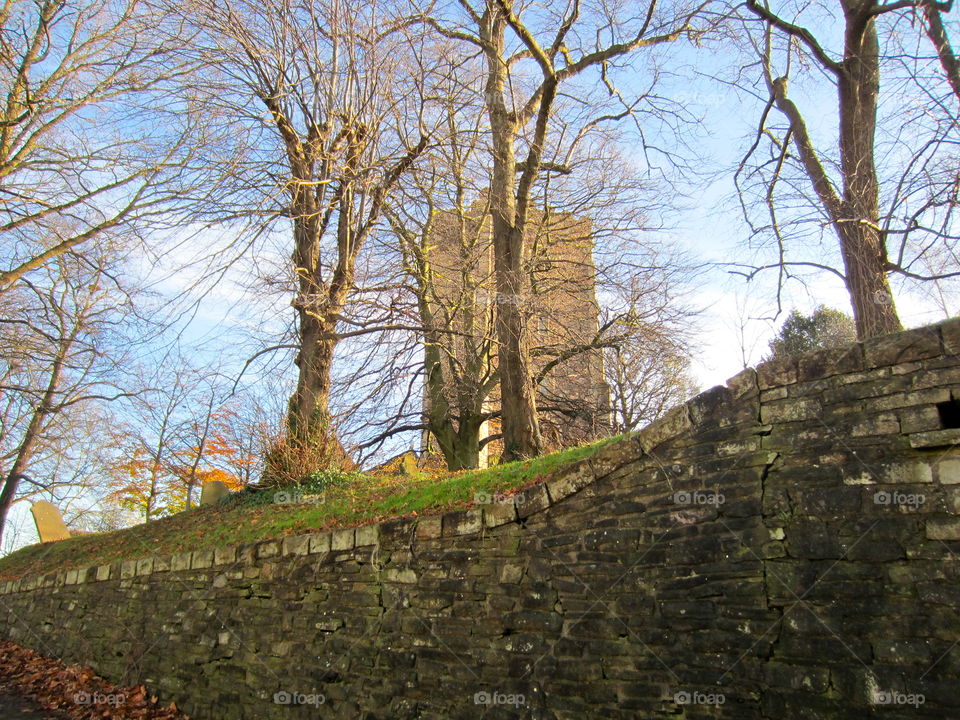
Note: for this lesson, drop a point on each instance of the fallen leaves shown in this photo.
(74, 690)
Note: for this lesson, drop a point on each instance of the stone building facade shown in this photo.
(561, 311)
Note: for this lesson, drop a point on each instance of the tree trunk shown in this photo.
(34, 427)
(310, 404)
(461, 445)
(866, 280)
(520, 424)
(861, 242)
(12, 481)
(318, 305)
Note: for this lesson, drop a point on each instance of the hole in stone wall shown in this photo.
(949, 412)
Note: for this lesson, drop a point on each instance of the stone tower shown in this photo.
(561, 311)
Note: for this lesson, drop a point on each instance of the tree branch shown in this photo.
(798, 32)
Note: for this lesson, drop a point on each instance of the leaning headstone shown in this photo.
(212, 491)
(50, 525)
(409, 464)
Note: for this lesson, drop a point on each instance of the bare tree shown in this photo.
(175, 435)
(584, 255)
(323, 151)
(87, 146)
(649, 373)
(438, 215)
(887, 207)
(63, 354)
(531, 52)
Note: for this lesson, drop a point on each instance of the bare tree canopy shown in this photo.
(884, 179)
(63, 331)
(91, 144)
(531, 52)
(312, 88)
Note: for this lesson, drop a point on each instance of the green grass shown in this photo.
(251, 516)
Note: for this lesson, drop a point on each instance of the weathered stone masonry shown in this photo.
(824, 585)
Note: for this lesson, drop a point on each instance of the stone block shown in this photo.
(563, 484)
(511, 574)
(948, 472)
(462, 522)
(674, 423)
(927, 397)
(49, 522)
(368, 535)
(792, 410)
(212, 492)
(902, 347)
(829, 362)
(950, 332)
(201, 559)
(775, 373)
(811, 540)
(936, 439)
(499, 513)
(328, 624)
(919, 419)
(429, 527)
(776, 393)
(320, 543)
(611, 457)
(268, 549)
(397, 533)
(882, 424)
(225, 555)
(296, 545)
(873, 550)
(952, 499)
(943, 528)
(403, 576)
(710, 405)
(534, 499)
(743, 383)
(908, 473)
(342, 539)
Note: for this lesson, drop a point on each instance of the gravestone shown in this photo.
(50, 525)
(212, 491)
(409, 464)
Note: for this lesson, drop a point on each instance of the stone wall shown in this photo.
(781, 547)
